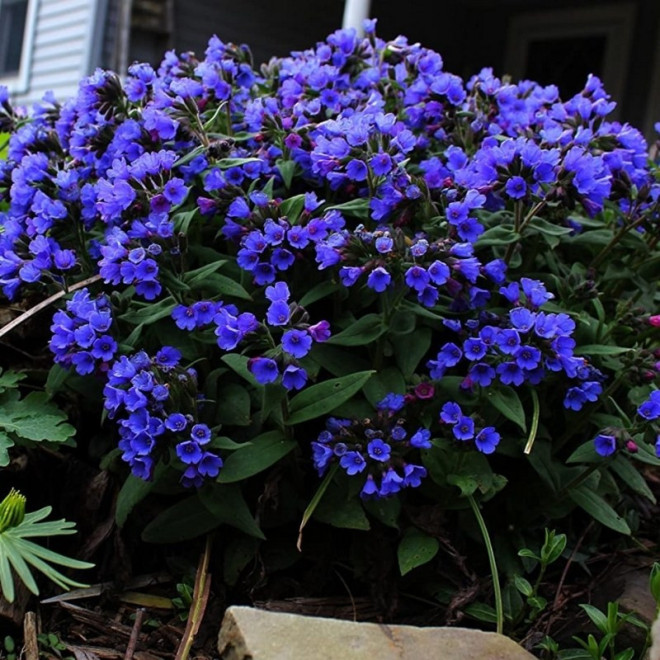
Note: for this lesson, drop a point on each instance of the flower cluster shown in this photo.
(81, 335)
(157, 402)
(523, 346)
(377, 448)
(463, 428)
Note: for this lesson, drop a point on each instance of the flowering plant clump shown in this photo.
(349, 264)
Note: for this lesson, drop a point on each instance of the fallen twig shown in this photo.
(45, 303)
(30, 642)
(135, 633)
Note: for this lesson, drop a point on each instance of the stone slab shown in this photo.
(251, 634)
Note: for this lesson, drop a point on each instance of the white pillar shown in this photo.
(355, 11)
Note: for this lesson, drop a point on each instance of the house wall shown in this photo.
(63, 46)
(270, 29)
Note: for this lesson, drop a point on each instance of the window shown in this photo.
(563, 46)
(17, 19)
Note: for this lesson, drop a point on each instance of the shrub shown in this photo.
(393, 290)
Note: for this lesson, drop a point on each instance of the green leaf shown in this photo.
(548, 228)
(523, 586)
(226, 163)
(585, 453)
(5, 443)
(410, 349)
(596, 616)
(223, 442)
(595, 237)
(415, 549)
(630, 475)
(233, 405)
(292, 207)
(365, 330)
(506, 400)
(10, 379)
(338, 361)
(314, 502)
(182, 220)
(149, 313)
(466, 482)
(357, 208)
(385, 509)
(56, 379)
(654, 582)
(287, 169)
(600, 349)
(597, 507)
(239, 363)
(228, 506)
(264, 450)
(133, 491)
(183, 521)
(200, 274)
(34, 418)
(340, 510)
(221, 285)
(382, 383)
(318, 292)
(481, 612)
(645, 452)
(19, 553)
(324, 397)
(402, 323)
(498, 235)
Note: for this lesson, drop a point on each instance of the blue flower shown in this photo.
(370, 489)
(650, 409)
(189, 452)
(263, 369)
(516, 187)
(278, 313)
(294, 378)
(421, 439)
(487, 440)
(297, 343)
(168, 357)
(391, 402)
(353, 462)
(474, 349)
(417, 278)
(379, 279)
(176, 422)
(278, 292)
(201, 433)
(605, 445)
(464, 428)
(574, 399)
(321, 456)
(379, 450)
(451, 413)
(390, 484)
(413, 475)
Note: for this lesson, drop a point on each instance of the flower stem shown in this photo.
(499, 608)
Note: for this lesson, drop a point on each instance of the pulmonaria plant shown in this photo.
(347, 226)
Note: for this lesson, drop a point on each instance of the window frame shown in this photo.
(614, 22)
(19, 82)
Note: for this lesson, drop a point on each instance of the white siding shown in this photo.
(61, 48)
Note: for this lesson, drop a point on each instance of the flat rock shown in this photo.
(251, 634)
